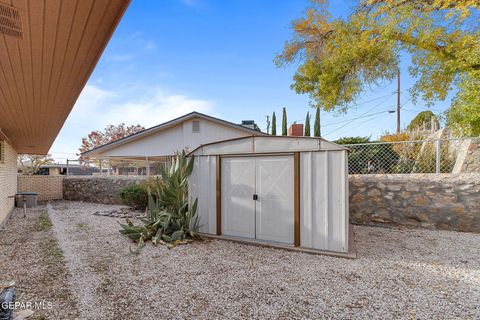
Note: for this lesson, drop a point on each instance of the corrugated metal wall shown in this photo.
(202, 185)
(324, 223)
(324, 201)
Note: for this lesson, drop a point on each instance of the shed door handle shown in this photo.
(255, 196)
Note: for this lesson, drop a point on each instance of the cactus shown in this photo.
(170, 220)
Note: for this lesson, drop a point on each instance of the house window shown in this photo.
(196, 126)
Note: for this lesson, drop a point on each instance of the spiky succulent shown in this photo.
(170, 219)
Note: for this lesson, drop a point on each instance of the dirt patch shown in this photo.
(30, 256)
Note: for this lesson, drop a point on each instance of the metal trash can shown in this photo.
(30, 199)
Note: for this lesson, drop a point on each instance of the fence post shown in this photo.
(438, 153)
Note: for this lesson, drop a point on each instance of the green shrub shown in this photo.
(367, 157)
(135, 196)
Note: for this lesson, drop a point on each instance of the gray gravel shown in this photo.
(399, 274)
(31, 257)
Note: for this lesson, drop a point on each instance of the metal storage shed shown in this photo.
(289, 192)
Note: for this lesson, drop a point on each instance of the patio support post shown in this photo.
(147, 165)
(100, 161)
(68, 169)
(108, 166)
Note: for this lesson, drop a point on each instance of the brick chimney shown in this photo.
(296, 130)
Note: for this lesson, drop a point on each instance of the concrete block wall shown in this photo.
(47, 187)
(8, 179)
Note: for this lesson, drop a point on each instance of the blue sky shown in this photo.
(170, 57)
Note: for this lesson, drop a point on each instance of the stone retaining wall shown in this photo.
(449, 202)
(446, 201)
(97, 189)
(472, 163)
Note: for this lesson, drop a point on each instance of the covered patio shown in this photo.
(125, 165)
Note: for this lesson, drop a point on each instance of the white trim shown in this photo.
(266, 145)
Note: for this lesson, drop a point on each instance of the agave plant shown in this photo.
(170, 219)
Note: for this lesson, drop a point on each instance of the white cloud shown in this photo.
(158, 108)
(97, 107)
(121, 57)
(100, 107)
(150, 46)
(90, 101)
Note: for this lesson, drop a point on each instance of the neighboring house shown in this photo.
(164, 140)
(48, 49)
(60, 169)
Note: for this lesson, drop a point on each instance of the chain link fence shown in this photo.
(420, 156)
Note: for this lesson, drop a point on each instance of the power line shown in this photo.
(359, 117)
(368, 115)
(359, 124)
(352, 106)
(371, 109)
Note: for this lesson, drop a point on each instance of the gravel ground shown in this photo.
(399, 274)
(30, 256)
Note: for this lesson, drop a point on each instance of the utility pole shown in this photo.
(398, 101)
(268, 124)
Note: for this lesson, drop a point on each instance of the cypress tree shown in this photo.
(316, 125)
(284, 122)
(307, 125)
(274, 124)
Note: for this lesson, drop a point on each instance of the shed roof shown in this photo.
(266, 144)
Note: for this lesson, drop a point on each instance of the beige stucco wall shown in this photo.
(47, 187)
(8, 180)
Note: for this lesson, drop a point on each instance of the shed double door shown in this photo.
(257, 197)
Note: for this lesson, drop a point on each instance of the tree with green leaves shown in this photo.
(307, 125)
(463, 118)
(284, 122)
(339, 58)
(369, 158)
(274, 124)
(423, 120)
(316, 124)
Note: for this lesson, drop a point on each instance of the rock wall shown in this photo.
(472, 160)
(449, 202)
(445, 201)
(97, 189)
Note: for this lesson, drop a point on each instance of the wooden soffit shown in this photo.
(48, 49)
